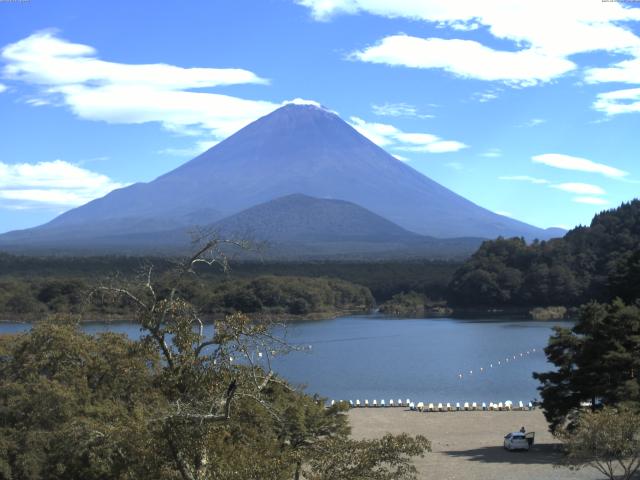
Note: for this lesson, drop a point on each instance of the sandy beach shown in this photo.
(468, 445)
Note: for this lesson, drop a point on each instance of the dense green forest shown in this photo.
(598, 262)
(33, 286)
(284, 295)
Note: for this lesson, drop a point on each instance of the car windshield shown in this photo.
(518, 437)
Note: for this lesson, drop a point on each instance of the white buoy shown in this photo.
(470, 372)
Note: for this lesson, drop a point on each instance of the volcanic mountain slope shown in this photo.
(302, 226)
(295, 149)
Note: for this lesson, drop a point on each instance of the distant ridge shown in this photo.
(295, 149)
(310, 227)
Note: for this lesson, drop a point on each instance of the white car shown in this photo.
(516, 441)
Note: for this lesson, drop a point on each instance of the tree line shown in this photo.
(599, 262)
(33, 298)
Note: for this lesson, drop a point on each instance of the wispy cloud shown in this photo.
(47, 184)
(543, 50)
(486, 96)
(492, 153)
(466, 59)
(525, 178)
(386, 135)
(3, 87)
(618, 101)
(534, 122)
(196, 149)
(72, 75)
(591, 200)
(398, 110)
(580, 188)
(568, 162)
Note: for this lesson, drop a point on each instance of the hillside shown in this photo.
(598, 262)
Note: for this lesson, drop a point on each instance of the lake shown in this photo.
(431, 360)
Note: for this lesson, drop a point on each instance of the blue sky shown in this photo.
(530, 109)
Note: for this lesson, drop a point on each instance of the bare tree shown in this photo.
(206, 368)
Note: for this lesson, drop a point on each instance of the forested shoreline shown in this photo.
(33, 287)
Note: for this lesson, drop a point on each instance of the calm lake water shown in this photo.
(374, 357)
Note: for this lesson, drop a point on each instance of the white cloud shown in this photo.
(556, 28)
(444, 146)
(618, 101)
(568, 162)
(454, 165)
(401, 158)
(199, 147)
(385, 135)
(487, 96)
(492, 153)
(591, 200)
(580, 188)
(626, 71)
(71, 74)
(51, 183)
(525, 178)
(467, 59)
(534, 122)
(3, 87)
(398, 110)
(545, 35)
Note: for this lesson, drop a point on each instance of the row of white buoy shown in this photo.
(440, 407)
(499, 363)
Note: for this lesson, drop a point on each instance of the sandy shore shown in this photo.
(468, 445)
